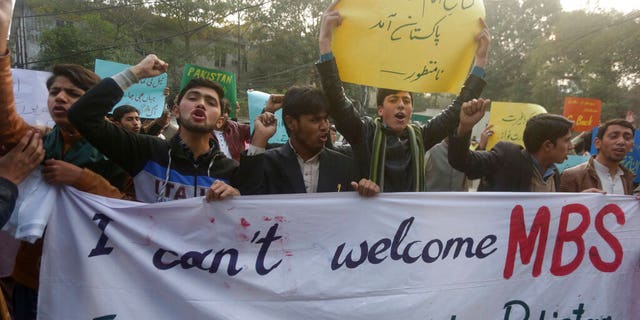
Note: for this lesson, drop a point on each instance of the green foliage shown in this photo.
(539, 54)
(585, 62)
(516, 27)
(284, 42)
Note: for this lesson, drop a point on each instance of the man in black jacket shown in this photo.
(302, 164)
(508, 166)
(389, 150)
(189, 165)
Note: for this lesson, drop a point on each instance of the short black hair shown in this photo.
(120, 111)
(200, 82)
(80, 76)
(383, 93)
(543, 127)
(614, 122)
(301, 100)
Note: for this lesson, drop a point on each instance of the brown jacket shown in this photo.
(12, 126)
(236, 136)
(584, 176)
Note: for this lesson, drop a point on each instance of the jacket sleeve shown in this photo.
(475, 164)
(447, 121)
(94, 183)
(568, 182)
(13, 127)
(341, 109)
(245, 132)
(8, 197)
(250, 178)
(129, 150)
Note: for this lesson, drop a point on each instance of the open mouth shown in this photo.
(324, 137)
(59, 111)
(199, 114)
(400, 116)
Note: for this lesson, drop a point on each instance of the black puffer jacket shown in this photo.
(161, 170)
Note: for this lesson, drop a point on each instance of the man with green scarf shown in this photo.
(389, 150)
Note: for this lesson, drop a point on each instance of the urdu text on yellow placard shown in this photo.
(509, 119)
(420, 46)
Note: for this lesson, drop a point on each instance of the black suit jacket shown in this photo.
(507, 167)
(277, 172)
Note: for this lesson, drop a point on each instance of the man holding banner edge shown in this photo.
(388, 150)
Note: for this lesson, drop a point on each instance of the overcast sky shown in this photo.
(620, 5)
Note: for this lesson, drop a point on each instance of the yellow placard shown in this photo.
(420, 46)
(509, 119)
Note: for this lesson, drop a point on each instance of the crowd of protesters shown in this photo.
(212, 156)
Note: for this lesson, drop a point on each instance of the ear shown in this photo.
(547, 145)
(176, 113)
(291, 123)
(220, 122)
(380, 108)
(597, 143)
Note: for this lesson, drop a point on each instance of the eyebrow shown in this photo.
(200, 93)
(65, 89)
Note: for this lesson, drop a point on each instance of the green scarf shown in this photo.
(376, 164)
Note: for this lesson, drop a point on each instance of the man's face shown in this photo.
(562, 148)
(198, 110)
(131, 122)
(62, 94)
(396, 111)
(616, 142)
(310, 131)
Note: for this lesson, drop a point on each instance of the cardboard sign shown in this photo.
(585, 113)
(509, 120)
(257, 102)
(31, 94)
(224, 78)
(147, 95)
(421, 46)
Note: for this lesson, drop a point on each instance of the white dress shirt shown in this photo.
(610, 184)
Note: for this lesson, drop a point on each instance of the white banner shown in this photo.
(449, 256)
